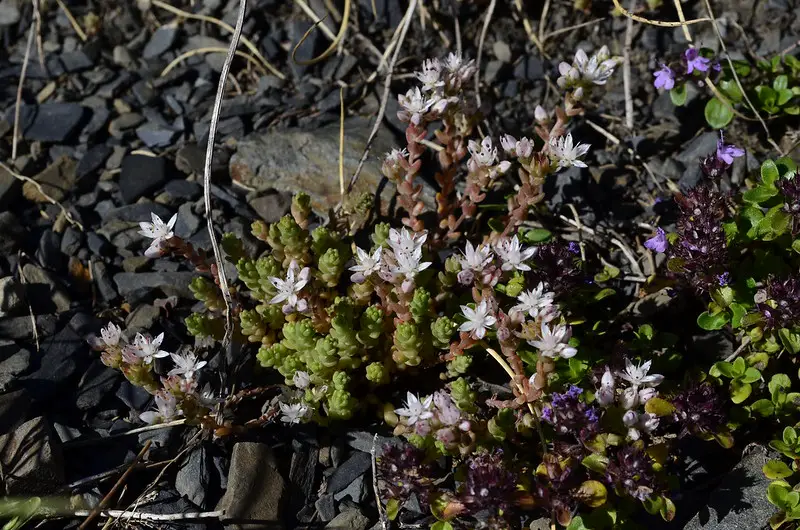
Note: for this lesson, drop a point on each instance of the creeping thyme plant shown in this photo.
(473, 334)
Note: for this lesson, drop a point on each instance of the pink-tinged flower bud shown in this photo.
(503, 333)
(630, 418)
(508, 143)
(524, 148)
(646, 394)
(630, 398)
(540, 114)
(465, 277)
(465, 425)
(503, 166)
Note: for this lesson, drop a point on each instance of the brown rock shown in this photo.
(56, 181)
(255, 488)
(295, 160)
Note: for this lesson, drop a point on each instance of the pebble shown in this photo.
(9, 12)
(46, 292)
(13, 361)
(49, 122)
(56, 181)
(255, 486)
(351, 519)
(11, 294)
(93, 159)
(97, 381)
(31, 459)
(172, 283)
(123, 123)
(183, 190)
(9, 188)
(102, 279)
(351, 469)
(154, 135)
(141, 175)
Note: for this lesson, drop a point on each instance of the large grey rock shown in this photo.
(56, 181)
(193, 477)
(13, 361)
(41, 285)
(740, 501)
(31, 459)
(10, 295)
(350, 470)
(255, 488)
(296, 160)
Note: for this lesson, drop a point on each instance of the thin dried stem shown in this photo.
(337, 39)
(18, 105)
(543, 20)
(212, 133)
(484, 30)
(387, 85)
(253, 49)
(68, 216)
(341, 143)
(72, 21)
(659, 23)
(209, 49)
(142, 516)
(626, 70)
(378, 502)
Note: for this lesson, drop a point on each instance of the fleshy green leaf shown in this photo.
(790, 341)
(596, 462)
(759, 194)
(711, 322)
(441, 525)
(777, 492)
(740, 391)
(668, 510)
(763, 407)
(751, 375)
(789, 436)
(592, 493)
(718, 114)
(724, 439)
(678, 95)
(722, 368)
(536, 235)
(769, 173)
(392, 509)
(659, 407)
(775, 469)
(796, 245)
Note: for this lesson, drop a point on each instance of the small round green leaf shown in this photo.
(711, 322)
(775, 469)
(718, 114)
(678, 95)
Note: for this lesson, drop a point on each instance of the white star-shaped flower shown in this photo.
(186, 365)
(294, 413)
(554, 342)
(146, 347)
(159, 232)
(111, 334)
(431, 75)
(408, 264)
(415, 105)
(166, 409)
(637, 375)
(607, 392)
(416, 409)
(291, 286)
(475, 259)
(404, 240)
(478, 319)
(483, 154)
(536, 302)
(566, 153)
(366, 264)
(513, 254)
(301, 379)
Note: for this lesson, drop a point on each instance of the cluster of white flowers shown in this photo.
(585, 71)
(143, 351)
(640, 389)
(159, 231)
(483, 156)
(294, 412)
(436, 412)
(401, 262)
(440, 84)
(522, 148)
(288, 289)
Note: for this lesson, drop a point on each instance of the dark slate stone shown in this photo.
(302, 474)
(71, 241)
(96, 382)
(141, 175)
(49, 122)
(98, 121)
(98, 245)
(49, 252)
(13, 361)
(57, 364)
(194, 477)
(76, 61)
(170, 282)
(161, 41)
(13, 409)
(326, 507)
(11, 232)
(183, 190)
(135, 213)
(351, 469)
(105, 287)
(93, 159)
(19, 328)
(154, 135)
(134, 397)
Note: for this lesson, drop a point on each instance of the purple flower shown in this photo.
(658, 242)
(574, 391)
(665, 78)
(547, 414)
(694, 61)
(727, 152)
(591, 415)
(724, 278)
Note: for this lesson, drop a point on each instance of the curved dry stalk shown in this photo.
(180, 12)
(484, 30)
(336, 40)
(208, 49)
(68, 216)
(22, 74)
(212, 133)
(659, 23)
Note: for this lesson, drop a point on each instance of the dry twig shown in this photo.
(212, 133)
(484, 30)
(209, 49)
(68, 216)
(22, 75)
(626, 71)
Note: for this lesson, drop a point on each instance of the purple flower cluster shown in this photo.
(784, 311)
(720, 161)
(701, 249)
(559, 267)
(790, 188)
(691, 61)
(569, 415)
(699, 410)
(403, 471)
(489, 483)
(630, 472)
